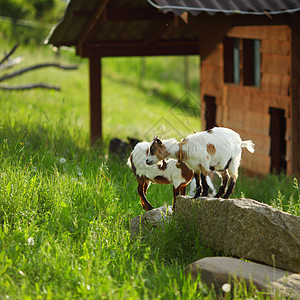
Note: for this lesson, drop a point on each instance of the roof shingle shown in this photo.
(253, 7)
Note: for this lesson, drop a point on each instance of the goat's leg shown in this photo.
(141, 188)
(145, 186)
(182, 189)
(175, 194)
(204, 185)
(198, 186)
(230, 188)
(223, 185)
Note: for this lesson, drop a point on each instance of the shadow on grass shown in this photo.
(44, 144)
(187, 102)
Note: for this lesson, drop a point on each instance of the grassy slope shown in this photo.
(65, 225)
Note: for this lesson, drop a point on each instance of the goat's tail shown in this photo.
(249, 145)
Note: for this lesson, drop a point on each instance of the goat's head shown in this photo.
(157, 152)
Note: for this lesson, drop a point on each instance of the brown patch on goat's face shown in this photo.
(161, 180)
(207, 157)
(186, 173)
(161, 152)
(211, 150)
(202, 170)
(158, 149)
(163, 166)
(147, 152)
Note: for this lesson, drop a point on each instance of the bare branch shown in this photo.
(11, 63)
(9, 54)
(29, 87)
(38, 66)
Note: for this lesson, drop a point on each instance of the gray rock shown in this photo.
(141, 225)
(244, 228)
(218, 271)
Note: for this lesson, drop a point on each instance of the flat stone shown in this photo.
(143, 224)
(218, 271)
(244, 228)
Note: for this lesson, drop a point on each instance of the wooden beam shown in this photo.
(94, 20)
(263, 32)
(95, 100)
(128, 14)
(155, 32)
(108, 49)
(136, 14)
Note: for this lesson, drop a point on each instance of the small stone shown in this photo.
(140, 225)
(218, 271)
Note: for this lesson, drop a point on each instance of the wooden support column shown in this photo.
(295, 94)
(95, 99)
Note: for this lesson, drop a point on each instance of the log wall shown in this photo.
(245, 109)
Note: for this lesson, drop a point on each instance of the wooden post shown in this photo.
(295, 92)
(95, 99)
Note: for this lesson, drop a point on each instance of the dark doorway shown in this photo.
(278, 143)
(211, 111)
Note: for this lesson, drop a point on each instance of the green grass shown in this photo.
(65, 208)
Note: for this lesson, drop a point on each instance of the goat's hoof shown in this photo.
(149, 208)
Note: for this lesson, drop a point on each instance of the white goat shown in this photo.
(218, 149)
(163, 173)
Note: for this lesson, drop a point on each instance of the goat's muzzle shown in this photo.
(149, 162)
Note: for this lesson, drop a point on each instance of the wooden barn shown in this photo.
(250, 62)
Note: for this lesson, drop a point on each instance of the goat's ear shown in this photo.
(159, 142)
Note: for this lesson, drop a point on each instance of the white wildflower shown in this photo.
(30, 241)
(62, 160)
(226, 287)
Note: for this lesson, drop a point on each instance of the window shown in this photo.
(250, 49)
(251, 62)
(231, 60)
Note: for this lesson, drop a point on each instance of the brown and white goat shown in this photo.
(165, 172)
(218, 149)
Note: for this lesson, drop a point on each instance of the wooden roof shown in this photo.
(122, 25)
(136, 28)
